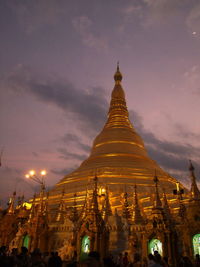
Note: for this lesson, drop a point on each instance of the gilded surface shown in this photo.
(118, 157)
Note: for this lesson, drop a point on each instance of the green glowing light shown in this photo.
(155, 245)
(196, 244)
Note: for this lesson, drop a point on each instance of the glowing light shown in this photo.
(27, 176)
(177, 187)
(43, 172)
(194, 33)
(103, 191)
(27, 205)
(32, 172)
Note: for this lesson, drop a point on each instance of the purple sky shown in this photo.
(57, 60)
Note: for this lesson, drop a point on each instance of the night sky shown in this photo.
(57, 61)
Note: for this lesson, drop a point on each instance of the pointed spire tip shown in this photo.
(118, 75)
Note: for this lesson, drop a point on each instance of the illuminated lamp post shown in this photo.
(38, 179)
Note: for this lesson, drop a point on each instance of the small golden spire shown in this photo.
(11, 208)
(195, 193)
(157, 201)
(166, 205)
(126, 208)
(74, 216)
(107, 210)
(94, 208)
(136, 216)
(118, 75)
(61, 208)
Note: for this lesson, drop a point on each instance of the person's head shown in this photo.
(56, 253)
(24, 250)
(155, 253)
(14, 251)
(197, 256)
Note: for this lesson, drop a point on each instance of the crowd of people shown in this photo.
(38, 259)
(24, 259)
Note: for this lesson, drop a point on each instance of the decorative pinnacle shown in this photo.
(126, 212)
(136, 216)
(118, 75)
(157, 202)
(195, 193)
(191, 167)
(155, 179)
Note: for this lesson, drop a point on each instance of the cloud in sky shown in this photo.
(13, 180)
(86, 106)
(75, 140)
(65, 154)
(89, 109)
(63, 172)
(172, 156)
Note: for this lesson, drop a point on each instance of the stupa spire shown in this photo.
(157, 201)
(11, 204)
(166, 205)
(118, 112)
(61, 209)
(118, 75)
(86, 205)
(74, 214)
(126, 208)
(137, 217)
(195, 194)
(107, 211)
(94, 201)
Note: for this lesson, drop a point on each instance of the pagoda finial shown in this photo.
(11, 208)
(118, 75)
(126, 208)
(195, 194)
(94, 201)
(86, 204)
(107, 210)
(157, 201)
(166, 204)
(137, 217)
(61, 208)
(74, 213)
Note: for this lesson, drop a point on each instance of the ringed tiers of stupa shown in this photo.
(119, 160)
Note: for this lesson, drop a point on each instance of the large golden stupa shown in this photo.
(118, 158)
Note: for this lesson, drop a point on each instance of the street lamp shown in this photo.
(38, 179)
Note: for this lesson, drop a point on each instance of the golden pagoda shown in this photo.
(118, 157)
(119, 200)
